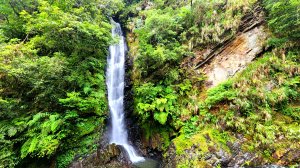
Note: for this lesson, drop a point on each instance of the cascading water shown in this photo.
(115, 85)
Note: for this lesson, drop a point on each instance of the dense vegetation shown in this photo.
(260, 104)
(167, 33)
(53, 101)
(52, 78)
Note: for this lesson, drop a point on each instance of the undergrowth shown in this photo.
(261, 104)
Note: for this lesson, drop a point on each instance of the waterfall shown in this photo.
(115, 86)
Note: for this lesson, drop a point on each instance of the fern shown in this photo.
(161, 117)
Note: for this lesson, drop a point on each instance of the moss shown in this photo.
(65, 159)
(218, 139)
(166, 140)
(181, 144)
(207, 137)
(159, 137)
(194, 163)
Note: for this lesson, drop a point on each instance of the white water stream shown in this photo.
(115, 86)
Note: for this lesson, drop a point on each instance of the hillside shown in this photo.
(250, 119)
(207, 83)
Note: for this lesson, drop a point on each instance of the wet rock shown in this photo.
(147, 5)
(213, 160)
(223, 157)
(270, 166)
(153, 142)
(109, 153)
(111, 156)
(170, 158)
(240, 159)
(292, 156)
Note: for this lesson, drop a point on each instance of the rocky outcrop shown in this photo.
(111, 156)
(233, 55)
(232, 157)
(236, 55)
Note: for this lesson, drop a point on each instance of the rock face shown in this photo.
(111, 156)
(235, 157)
(236, 55)
(226, 59)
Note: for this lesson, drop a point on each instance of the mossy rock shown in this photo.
(205, 141)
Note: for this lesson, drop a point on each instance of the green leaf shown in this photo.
(161, 117)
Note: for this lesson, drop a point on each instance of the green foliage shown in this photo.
(161, 117)
(160, 46)
(261, 103)
(52, 79)
(203, 139)
(273, 84)
(284, 20)
(165, 32)
(214, 21)
(111, 7)
(222, 92)
(292, 111)
(9, 12)
(165, 92)
(266, 103)
(155, 102)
